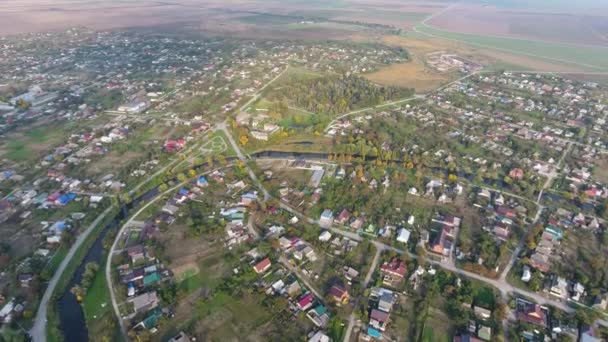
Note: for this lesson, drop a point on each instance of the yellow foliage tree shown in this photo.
(244, 139)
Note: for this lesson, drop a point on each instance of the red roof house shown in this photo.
(262, 266)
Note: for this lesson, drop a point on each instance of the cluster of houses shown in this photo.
(444, 62)
(277, 281)
(503, 213)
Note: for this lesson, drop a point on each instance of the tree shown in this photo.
(244, 140)
(23, 104)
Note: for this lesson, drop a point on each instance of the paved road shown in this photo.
(38, 331)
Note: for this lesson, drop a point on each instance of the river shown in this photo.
(71, 316)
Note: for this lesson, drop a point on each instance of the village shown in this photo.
(250, 209)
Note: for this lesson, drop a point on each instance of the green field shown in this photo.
(23, 148)
(97, 301)
(590, 58)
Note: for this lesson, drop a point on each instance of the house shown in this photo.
(316, 177)
(181, 337)
(25, 279)
(248, 198)
(136, 253)
(502, 231)
(527, 275)
(386, 301)
(591, 334)
(350, 273)
(540, 261)
(403, 235)
(533, 314)
(174, 145)
(343, 217)
(516, 174)
(559, 287)
(151, 279)
(325, 236)
(64, 199)
(357, 224)
(339, 294)
(482, 313)
(170, 209)
(6, 314)
(484, 193)
(145, 302)
(442, 244)
(262, 266)
(327, 218)
(305, 302)
(393, 271)
(202, 182)
(378, 319)
(319, 315)
(319, 336)
(578, 290)
(448, 220)
(294, 289)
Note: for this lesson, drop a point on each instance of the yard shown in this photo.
(437, 327)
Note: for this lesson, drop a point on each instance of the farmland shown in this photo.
(589, 58)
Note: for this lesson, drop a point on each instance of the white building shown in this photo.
(403, 235)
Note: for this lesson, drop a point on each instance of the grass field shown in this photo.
(436, 328)
(412, 74)
(53, 264)
(97, 301)
(590, 58)
(31, 144)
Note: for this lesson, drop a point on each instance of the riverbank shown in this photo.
(47, 324)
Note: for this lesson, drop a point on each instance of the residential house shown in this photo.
(527, 275)
(202, 182)
(357, 224)
(325, 236)
(305, 302)
(533, 314)
(393, 271)
(145, 302)
(559, 287)
(339, 294)
(386, 301)
(25, 279)
(262, 266)
(442, 243)
(403, 235)
(181, 337)
(516, 174)
(319, 315)
(482, 313)
(343, 217)
(319, 336)
(327, 218)
(379, 319)
(136, 253)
